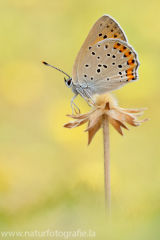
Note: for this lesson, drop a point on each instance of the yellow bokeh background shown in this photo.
(49, 178)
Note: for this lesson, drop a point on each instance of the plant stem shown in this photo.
(107, 187)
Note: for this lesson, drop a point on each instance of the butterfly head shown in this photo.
(68, 82)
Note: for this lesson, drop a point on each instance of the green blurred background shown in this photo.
(49, 178)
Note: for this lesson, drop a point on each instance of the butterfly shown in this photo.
(104, 63)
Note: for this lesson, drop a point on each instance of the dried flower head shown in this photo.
(106, 104)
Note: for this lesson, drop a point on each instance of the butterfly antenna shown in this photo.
(55, 68)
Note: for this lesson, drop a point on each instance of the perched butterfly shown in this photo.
(104, 63)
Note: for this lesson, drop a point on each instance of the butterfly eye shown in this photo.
(69, 82)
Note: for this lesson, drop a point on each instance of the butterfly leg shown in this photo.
(82, 95)
(85, 94)
(88, 95)
(72, 103)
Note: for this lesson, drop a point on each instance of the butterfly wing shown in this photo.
(106, 27)
(108, 65)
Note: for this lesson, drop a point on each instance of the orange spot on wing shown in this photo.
(117, 45)
(127, 54)
(130, 77)
(129, 71)
(130, 74)
(123, 48)
(131, 61)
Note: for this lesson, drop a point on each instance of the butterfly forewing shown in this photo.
(106, 27)
(108, 65)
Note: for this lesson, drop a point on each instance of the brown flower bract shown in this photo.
(106, 104)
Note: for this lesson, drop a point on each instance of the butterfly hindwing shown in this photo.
(106, 27)
(108, 65)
